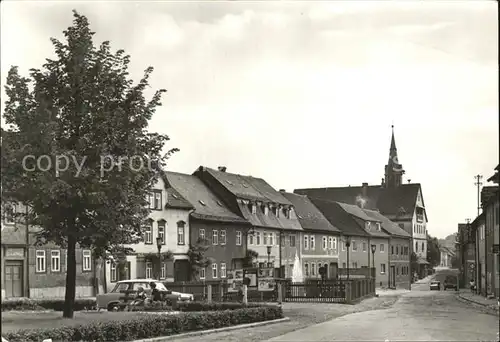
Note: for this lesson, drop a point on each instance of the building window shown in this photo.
(202, 234)
(306, 242)
(343, 246)
(382, 248)
(202, 273)
(250, 239)
(277, 212)
(397, 270)
(215, 237)
(163, 271)
(312, 243)
(354, 265)
(222, 237)
(271, 239)
(364, 246)
(254, 211)
(291, 214)
(158, 200)
(416, 247)
(161, 231)
(392, 250)
(423, 248)
(87, 260)
(265, 239)
(180, 233)
(354, 246)
(223, 270)
(214, 271)
(149, 270)
(112, 271)
(401, 225)
(382, 268)
(292, 240)
(40, 261)
(330, 242)
(238, 238)
(379, 228)
(306, 269)
(313, 269)
(344, 265)
(325, 243)
(148, 233)
(55, 261)
(257, 238)
(397, 250)
(10, 213)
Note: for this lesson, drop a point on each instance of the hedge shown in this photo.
(24, 304)
(149, 326)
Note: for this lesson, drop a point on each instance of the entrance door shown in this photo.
(392, 277)
(13, 278)
(333, 270)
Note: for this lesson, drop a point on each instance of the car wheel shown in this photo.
(113, 307)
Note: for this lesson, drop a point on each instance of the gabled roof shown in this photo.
(398, 202)
(338, 217)
(390, 227)
(248, 187)
(362, 215)
(309, 216)
(206, 205)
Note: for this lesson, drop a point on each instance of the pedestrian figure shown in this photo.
(155, 293)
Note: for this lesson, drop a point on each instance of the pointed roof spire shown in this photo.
(393, 151)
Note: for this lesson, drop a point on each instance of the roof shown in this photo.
(310, 217)
(398, 202)
(362, 215)
(248, 187)
(390, 227)
(338, 217)
(206, 204)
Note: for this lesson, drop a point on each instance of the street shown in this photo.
(417, 315)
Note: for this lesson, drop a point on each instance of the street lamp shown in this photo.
(374, 248)
(269, 256)
(347, 242)
(159, 242)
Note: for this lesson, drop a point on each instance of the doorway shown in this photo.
(333, 274)
(392, 277)
(14, 279)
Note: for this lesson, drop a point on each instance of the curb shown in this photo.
(490, 310)
(212, 331)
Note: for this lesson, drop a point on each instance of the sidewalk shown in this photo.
(467, 295)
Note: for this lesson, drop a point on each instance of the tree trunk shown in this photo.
(69, 299)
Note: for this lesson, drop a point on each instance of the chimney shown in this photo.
(383, 182)
(409, 181)
(282, 190)
(364, 189)
(222, 168)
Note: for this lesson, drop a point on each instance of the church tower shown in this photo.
(393, 170)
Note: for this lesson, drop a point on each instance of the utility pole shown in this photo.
(478, 183)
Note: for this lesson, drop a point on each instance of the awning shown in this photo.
(422, 261)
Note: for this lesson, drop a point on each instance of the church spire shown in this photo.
(393, 170)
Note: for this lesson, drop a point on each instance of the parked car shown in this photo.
(111, 300)
(435, 285)
(450, 282)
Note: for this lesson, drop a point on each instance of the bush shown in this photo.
(149, 326)
(23, 304)
(214, 306)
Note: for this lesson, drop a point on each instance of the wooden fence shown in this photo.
(312, 291)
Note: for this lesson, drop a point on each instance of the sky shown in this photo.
(303, 94)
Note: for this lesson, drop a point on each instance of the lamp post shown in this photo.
(281, 243)
(347, 241)
(374, 248)
(269, 256)
(159, 242)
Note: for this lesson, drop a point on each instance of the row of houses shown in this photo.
(328, 230)
(477, 243)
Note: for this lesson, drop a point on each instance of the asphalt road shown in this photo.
(418, 315)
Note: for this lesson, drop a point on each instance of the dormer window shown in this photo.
(265, 209)
(276, 211)
(291, 214)
(379, 226)
(254, 209)
(367, 225)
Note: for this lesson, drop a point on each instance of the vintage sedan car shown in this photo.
(111, 300)
(450, 282)
(435, 285)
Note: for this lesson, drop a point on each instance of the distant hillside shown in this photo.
(448, 241)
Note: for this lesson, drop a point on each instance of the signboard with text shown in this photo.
(235, 280)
